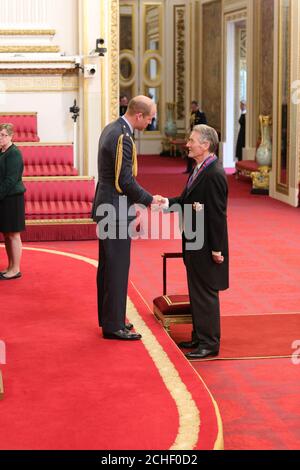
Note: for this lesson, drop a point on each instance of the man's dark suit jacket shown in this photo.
(106, 192)
(240, 144)
(210, 189)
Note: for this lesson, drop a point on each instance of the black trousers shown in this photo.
(112, 283)
(205, 308)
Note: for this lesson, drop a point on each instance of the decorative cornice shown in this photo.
(32, 71)
(37, 84)
(12, 49)
(236, 15)
(25, 61)
(27, 32)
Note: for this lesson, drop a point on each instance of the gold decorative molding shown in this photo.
(25, 61)
(42, 144)
(27, 32)
(50, 81)
(58, 178)
(33, 113)
(114, 59)
(179, 60)
(236, 15)
(60, 222)
(38, 71)
(12, 49)
(211, 63)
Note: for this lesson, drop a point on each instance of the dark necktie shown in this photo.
(193, 176)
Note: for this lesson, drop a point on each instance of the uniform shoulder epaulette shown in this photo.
(119, 160)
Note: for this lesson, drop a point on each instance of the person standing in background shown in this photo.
(123, 105)
(12, 206)
(240, 144)
(197, 117)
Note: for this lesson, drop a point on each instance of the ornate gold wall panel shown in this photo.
(266, 72)
(114, 59)
(283, 98)
(212, 62)
(179, 60)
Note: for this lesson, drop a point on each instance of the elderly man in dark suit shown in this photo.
(117, 192)
(206, 266)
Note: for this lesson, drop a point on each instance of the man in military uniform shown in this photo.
(197, 117)
(118, 189)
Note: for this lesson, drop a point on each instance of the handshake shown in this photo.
(159, 202)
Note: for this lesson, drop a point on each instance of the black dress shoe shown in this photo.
(122, 334)
(128, 326)
(3, 277)
(201, 353)
(188, 344)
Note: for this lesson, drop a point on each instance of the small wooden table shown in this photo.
(177, 144)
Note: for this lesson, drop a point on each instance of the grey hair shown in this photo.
(209, 134)
(8, 127)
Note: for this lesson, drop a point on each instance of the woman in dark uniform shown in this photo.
(12, 208)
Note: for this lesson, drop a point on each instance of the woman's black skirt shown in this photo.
(12, 214)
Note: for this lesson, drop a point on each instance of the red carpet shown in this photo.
(258, 399)
(67, 388)
(253, 336)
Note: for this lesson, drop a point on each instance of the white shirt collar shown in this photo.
(128, 124)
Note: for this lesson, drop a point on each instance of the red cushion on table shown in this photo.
(250, 165)
(173, 304)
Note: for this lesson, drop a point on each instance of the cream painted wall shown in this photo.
(54, 119)
(62, 15)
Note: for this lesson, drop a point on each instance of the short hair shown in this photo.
(209, 134)
(8, 127)
(195, 102)
(137, 105)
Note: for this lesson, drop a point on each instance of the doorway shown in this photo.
(236, 90)
(141, 63)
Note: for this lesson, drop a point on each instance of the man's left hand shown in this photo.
(217, 257)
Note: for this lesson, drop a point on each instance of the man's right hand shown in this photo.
(159, 203)
(159, 200)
